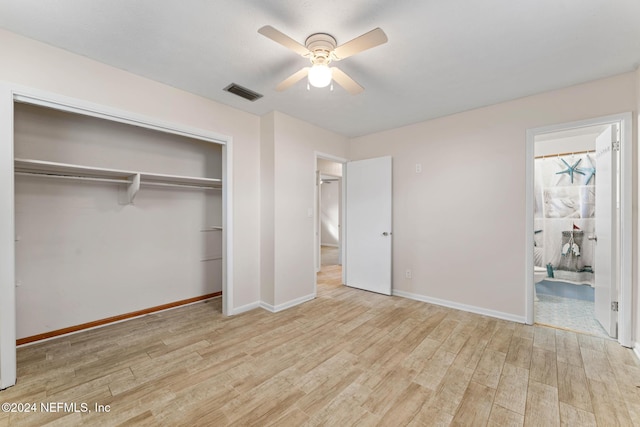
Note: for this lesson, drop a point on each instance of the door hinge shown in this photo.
(614, 305)
(615, 145)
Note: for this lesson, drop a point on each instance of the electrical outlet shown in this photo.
(418, 167)
(407, 274)
(18, 283)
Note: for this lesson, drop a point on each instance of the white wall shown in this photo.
(330, 212)
(554, 146)
(460, 224)
(295, 143)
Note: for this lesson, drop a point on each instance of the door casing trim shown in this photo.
(625, 238)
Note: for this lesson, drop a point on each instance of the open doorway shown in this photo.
(579, 203)
(565, 258)
(329, 241)
(330, 208)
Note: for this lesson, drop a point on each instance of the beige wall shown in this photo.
(294, 146)
(43, 67)
(329, 167)
(267, 248)
(636, 219)
(460, 223)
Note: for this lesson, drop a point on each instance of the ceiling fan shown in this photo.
(322, 49)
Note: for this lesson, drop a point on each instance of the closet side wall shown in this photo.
(81, 255)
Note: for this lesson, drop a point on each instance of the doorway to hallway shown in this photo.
(329, 219)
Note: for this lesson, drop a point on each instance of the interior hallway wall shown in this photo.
(460, 223)
(330, 203)
(330, 213)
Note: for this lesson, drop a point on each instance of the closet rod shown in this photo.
(166, 184)
(548, 156)
(79, 178)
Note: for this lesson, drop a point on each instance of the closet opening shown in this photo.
(111, 221)
(114, 216)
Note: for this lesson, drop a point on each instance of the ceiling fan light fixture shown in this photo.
(321, 49)
(320, 75)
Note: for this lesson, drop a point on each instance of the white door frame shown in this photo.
(316, 216)
(625, 220)
(9, 95)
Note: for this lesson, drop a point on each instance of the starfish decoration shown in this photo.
(571, 169)
(588, 172)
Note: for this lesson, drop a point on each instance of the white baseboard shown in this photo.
(288, 304)
(463, 307)
(636, 350)
(245, 308)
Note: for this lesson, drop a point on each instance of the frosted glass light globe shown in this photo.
(320, 75)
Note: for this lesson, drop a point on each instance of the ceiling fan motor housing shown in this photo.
(321, 46)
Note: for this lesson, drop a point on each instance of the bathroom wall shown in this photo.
(565, 210)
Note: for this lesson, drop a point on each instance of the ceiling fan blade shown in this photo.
(283, 39)
(366, 41)
(345, 81)
(293, 79)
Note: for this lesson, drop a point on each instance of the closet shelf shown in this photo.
(132, 179)
(213, 228)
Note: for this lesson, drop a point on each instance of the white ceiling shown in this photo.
(443, 56)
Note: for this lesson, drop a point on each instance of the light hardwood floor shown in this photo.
(348, 357)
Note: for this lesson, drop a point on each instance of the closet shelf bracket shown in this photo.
(132, 189)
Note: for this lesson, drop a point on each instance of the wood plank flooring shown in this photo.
(349, 357)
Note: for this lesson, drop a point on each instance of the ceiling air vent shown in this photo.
(243, 92)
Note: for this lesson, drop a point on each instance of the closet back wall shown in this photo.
(80, 255)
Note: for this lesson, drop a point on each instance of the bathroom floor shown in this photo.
(567, 306)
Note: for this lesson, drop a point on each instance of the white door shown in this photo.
(605, 226)
(368, 225)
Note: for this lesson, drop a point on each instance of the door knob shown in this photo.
(593, 237)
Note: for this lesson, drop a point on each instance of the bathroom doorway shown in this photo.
(564, 229)
(579, 208)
